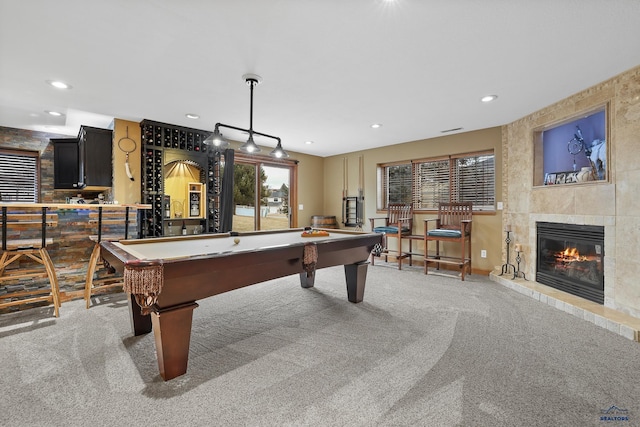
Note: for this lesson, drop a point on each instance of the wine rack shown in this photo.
(213, 193)
(157, 140)
(152, 191)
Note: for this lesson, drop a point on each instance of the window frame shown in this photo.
(27, 154)
(447, 173)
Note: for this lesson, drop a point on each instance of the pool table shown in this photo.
(199, 266)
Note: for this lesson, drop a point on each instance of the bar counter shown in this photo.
(72, 247)
(95, 206)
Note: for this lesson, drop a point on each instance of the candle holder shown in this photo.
(505, 267)
(517, 272)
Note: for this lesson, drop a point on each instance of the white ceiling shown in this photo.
(330, 68)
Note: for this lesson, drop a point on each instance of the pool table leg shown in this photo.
(356, 275)
(140, 324)
(172, 332)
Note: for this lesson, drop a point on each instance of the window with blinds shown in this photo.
(19, 176)
(464, 178)
(474, 179)
(397, 185)
(431, 184)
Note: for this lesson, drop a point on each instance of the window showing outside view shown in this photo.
(426, 183)
(268, 210)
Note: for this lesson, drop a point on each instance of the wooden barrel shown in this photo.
(323, 221)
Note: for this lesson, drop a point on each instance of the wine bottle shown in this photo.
(184, 229)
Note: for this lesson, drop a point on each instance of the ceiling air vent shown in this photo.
(450, 130)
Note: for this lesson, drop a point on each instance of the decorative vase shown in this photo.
(585, 174)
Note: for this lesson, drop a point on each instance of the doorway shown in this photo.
(276, 212)
(262, 195)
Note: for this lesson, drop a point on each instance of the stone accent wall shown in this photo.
(614, 204)
(20, 139)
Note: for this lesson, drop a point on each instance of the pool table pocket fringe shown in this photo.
(144, 279)
(310, 258)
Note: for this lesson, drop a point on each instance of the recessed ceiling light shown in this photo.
(488, 98)
(53, 113)
(192, 116)
(376, 125)
(308, 142)
(58, 84)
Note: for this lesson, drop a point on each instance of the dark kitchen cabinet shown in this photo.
(65, 163)
(84, 162)
(94, 151)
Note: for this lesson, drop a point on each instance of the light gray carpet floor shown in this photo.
(420, 350)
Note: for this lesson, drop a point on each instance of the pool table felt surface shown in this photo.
(180, 247)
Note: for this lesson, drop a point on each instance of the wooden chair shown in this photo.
(452, 225)
(25, 243)
(112, 219)
(398, 223)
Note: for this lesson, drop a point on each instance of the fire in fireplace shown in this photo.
(571, 258)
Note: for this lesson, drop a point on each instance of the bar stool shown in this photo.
(25, 245)
(94, 285)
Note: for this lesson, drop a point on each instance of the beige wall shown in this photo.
(486, 227)
(613, 204)
(311, 185)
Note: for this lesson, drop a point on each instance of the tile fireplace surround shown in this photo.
(604, 316)
(613, 204)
